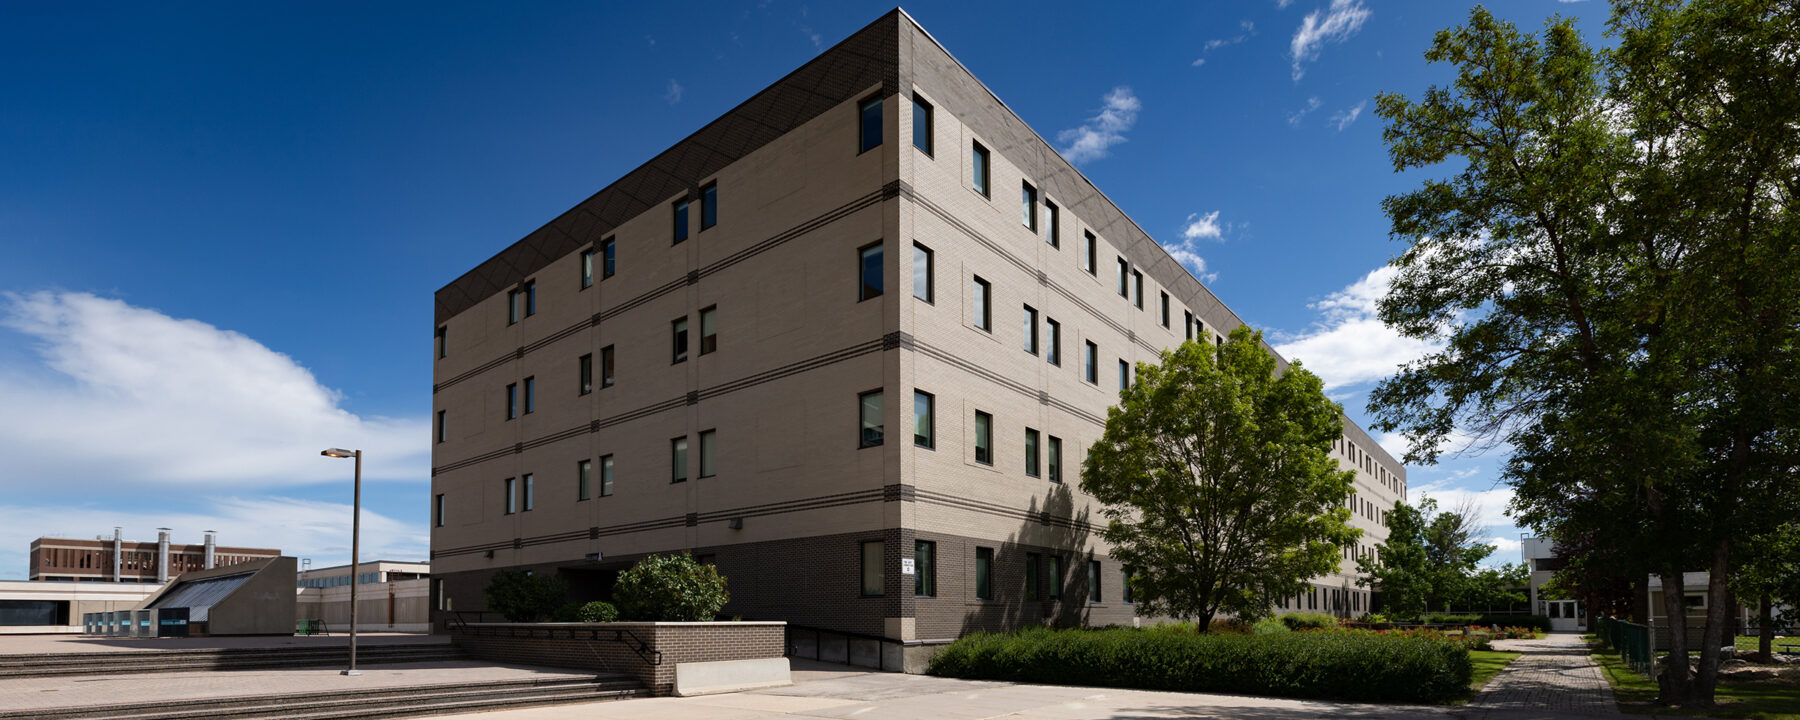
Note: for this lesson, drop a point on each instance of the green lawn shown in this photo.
(1764, 700)
(1749, 643)
(1488, 663)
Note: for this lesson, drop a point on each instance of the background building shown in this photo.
(118, 560)
(849, 342)
(392, 597)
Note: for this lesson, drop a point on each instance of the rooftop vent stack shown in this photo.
(209, 549)
(162, 555)
(118, 556)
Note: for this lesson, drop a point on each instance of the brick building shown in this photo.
(708, 354)
(118, 560)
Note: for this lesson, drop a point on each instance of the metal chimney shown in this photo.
(209, 548)
(118, 555)
(162, 555)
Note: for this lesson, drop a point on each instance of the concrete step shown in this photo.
(405, 701)
(154, 661)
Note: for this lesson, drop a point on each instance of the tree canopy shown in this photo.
(1215, 478)
(1432, 560)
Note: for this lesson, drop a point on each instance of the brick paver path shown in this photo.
(1555, 675)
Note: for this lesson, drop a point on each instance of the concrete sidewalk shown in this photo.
(1556, 677)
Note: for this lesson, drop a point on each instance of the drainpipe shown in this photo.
(118, 556)
(209, 549)
(162, 555)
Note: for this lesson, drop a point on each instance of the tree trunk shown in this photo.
(1718, 616)
(1765, 629)
(1203, 623)
(1675, 684)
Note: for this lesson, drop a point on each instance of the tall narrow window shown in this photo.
(1165, 310)
(512, 400)
(924, 568)
(1137, 288)
(709, 450)
(584, 479)
(678, 340)
(1091, 363)
(1053, 341)
(587, 269)
(1034, 585)
(709, 206)
(1028, 207)
(868, 124)
(606, 366)
(1124, 279)
(512, 498)
(1089, 253)
(1054, 219)
(1124, 375)
(872, 575)
(530, 395)
(1054, 449)
(1055, 576)
(440, 425)
(1094, 581)
(922, 125)
(979, 302)
(709, 329)
(585, 368)
(681, 220)
(1031, 452)
(1187, 321)
(609, 255)
(1125, 586)
(678, 459)
(442, 332)
(606, 475)
(869, 272)
(984, 573)
(984, 438)
(922, 272)
(924, 419)
(530, 490)
(979, 170)
(1030, 327)
(514, 308)
(530, 290)
(869, 409)
(437, 510)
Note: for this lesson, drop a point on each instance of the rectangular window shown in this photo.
(1028, 207)
(1055, 577)
(1165, 310)
(609, 255)
(584, 479)
(440, 425)
(530, 395)
(585, 368)
(869, 408)
(709, 206)
(512, 499)
(1137, 288)
(529, 490)
(868, 125)
(922, 125)
(530, 290)
(709, 451)
(1125, 586)
(512, 400)
(1093, 581)
(513, 308)
(1031, 452)
(678, 337)
(1034, 586)
(984, 438)
(709, 329)
(979, 302)
(924, 568)
(924, 419)
(1053, 341)
(1030, 330)
(984, 573)
(441, 332)
(1054, 218)
(678, 459)
(872, 575)
(606, 475)
(1091, 363)
(587, 269)
(1055, 451)
(437, 510)
(1187, 321)
(922, 272)
(869, 270)
(1124, 375)
(606, 366)
(980, 170)
(1124, 279)
(681, 220)
(1089, 253)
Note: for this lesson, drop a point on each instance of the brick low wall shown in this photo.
(626, 648)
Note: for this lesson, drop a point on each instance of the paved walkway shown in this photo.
(36, 644)
(1554, 678)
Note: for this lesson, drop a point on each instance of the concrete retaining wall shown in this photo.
(649, 651)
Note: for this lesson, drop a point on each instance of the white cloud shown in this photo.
(1094, 138)
(1294, 118)
(1194, 263)
(1199, 61)
(1282, 4)
(1344, 118)
(1198, 227)
(1248, 29)
(1490, 504)
(1349, 345)
(1342, 20)
(673, 94)
(127, 396)
(1203, 227)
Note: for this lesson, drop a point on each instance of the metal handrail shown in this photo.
(643, 649)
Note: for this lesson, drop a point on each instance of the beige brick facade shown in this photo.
(792, 495)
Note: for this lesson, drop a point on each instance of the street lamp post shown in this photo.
(355, 541)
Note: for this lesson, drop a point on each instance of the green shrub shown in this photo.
(1363, 666)
(1374, 619)
(524, 597)
(1540, 623)
(670, 588)
(598, 611)
(1229, 626)
(1269, 626)
(1309, 621)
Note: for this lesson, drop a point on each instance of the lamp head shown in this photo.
(338, 453)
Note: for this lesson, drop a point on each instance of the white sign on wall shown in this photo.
(906, 566)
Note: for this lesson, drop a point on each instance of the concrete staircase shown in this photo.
(390, 702)
(194, 659)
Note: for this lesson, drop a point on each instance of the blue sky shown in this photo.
(222, 224)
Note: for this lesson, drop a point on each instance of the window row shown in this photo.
(1043, 575)
(1037, 447)
(591, 477)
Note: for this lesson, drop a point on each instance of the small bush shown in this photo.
(598, 611)
(524, 597)
(1269, 626)
(1362, 666)
(671, 588)
(1229, 626)
(1374, 619)
(1309, 621)
(1540, 623)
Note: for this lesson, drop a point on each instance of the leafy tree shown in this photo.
(525, 597)
(670, 587)
(1215, 478)
(1432, 559)
(1611, 274)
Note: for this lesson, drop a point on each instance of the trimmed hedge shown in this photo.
(1309, 621)
(1344, 666)
(1540, 623)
